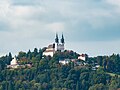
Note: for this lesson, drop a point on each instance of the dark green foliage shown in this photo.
(98, 87)
(21, 55)
(29, 55)
(47, 74)
(99, 60)
(4, 61)
(35, 52)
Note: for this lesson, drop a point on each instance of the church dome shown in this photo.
(14, 61)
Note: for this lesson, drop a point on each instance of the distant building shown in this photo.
(55, 47)
(50, 50)
(13, 63)
(83, 57)
(95, 67)
(64, 62)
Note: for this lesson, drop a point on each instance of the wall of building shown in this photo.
(48, 54)
(82, 58)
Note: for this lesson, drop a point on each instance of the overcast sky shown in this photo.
(89, 26)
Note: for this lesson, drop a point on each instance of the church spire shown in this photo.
(62, 40)
(56, 39)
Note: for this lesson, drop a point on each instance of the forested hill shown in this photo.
(47, 73)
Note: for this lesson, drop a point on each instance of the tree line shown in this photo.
(47, 74)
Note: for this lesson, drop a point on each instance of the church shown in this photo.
(57, 46)
(13, 63)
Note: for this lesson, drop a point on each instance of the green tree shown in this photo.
(35, 52)
(21, 54)
(10, 86)
(99, 60)
(98, 87)
(78, 86)
(29, 55)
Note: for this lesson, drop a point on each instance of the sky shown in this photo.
(89, 26)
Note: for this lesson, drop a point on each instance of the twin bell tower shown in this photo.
(59, 46)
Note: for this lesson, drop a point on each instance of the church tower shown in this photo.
(56, 39)
(56, 46)
(59, 46)
(62, 43)
(62, 40)
(56, 42)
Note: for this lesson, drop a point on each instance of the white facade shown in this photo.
(14, 61)
(50, 50)
(48, 53)
(60, 47)
(83, 57)
(66, 61)
(97, 66)
(56, 46)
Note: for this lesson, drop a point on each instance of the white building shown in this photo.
(64, 62)
(50, 50)
(83, 57)
(55, 47)
(13, 63)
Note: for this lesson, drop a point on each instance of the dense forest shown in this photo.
(47, 73)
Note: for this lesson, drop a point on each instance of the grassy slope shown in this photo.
(112, 74)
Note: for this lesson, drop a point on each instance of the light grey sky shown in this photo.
(89, 26)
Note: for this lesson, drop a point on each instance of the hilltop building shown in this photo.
(52, 48)
(83, 57)
(13, 63)
(65, 61)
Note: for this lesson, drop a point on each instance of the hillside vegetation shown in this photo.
(47, 74)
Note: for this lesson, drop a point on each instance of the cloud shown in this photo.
(26, 2)
(56, 27)
(80, 16)
(29, 23)
(95, 48)
(4, 8)
(114, 2)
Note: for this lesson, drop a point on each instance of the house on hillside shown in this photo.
(13, 63)
(83, 57)
(65, 61)
(50, 50)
